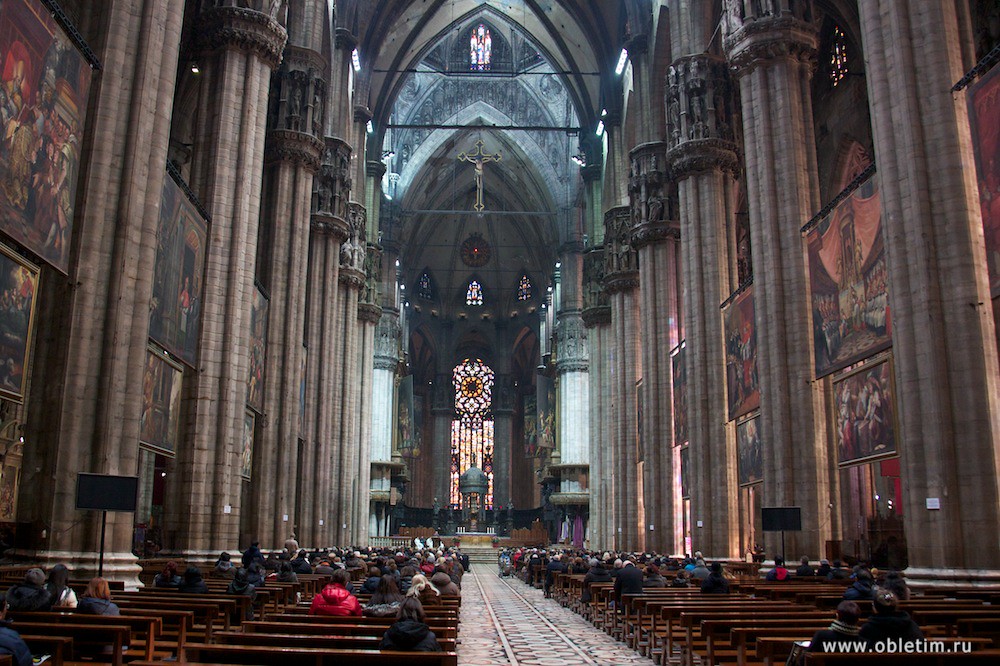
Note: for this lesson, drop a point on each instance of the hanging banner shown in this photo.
(546, 390)
(748, 453)
(984, 119)
(847, 278)
(159, 423)
(531, 425)
(866, 425)
(43, 109)
(679, 369)
(404, 417)
(742, 384)
(258, 348)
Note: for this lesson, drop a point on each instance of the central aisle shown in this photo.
(506, 622)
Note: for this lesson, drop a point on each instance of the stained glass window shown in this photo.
(474, 295)
(838, 56)
(480, 49)
(424, 288)
(472, 430)
(524, 289)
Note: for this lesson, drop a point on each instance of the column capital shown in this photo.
(699, 96)
(770, 30)
(653, 193)
(337, 227)
(375, 169)
(596, 308)
(591, 173)
(621, 261)
(296, 147)
(362, 114)
(345, 40)
(332, 184)
(571, 343)
(387, 333)
(503, 394)
(242, 29)
(369, 313)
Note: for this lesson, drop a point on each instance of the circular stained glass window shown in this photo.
(476, 251)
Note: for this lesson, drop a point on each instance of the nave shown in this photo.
(505, 621)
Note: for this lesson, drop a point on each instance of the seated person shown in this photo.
(30, 595)
(888, 621)
(241, 586)
(804, 568)
(424, 590)
(334, 598)
(844, 628)
(63, 595)
(223, 566)
(97, 599)
(11, 642)
(386, 600)
(168, 577)
(371, 583)
(779, 572)
(716, 583)
(193, 583)
(410, 631)
(863, 587)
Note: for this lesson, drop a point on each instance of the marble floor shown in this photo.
(506, 622)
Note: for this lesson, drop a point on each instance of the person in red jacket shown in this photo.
(335, 599)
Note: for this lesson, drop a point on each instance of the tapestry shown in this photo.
(181, 237)
(685, 471)
(404, 407)
(246, 458)
(742, 383)
(751, 466)
(159, 423)
(18, 286)
(8, 493)
(679, 369)
(258, 348)
(847, 277)
(546, 390)
(866, 426)
(530, 425)
(984, 120)
(43, 107)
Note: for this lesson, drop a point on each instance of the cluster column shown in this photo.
(703, 158)
(773, 55)
(655, 234)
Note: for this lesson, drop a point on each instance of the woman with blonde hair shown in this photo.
(97, 599)
(422, 589)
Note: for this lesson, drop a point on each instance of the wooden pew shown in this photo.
(115, 636)
(145, 628)
(443, 630)
(59, 648)
(277, 656)
(297, 640)
(920, 659)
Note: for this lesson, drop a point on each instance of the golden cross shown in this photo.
(479, 158)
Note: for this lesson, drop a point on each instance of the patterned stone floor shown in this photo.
(506, 622)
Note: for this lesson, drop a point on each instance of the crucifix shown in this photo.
(479, 158)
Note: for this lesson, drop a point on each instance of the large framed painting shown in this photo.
(162, 381)
(258, 349)
(742, 383)
(847, 278)
(43, 107)
(404, 420)
(679, 379)
(685, 472)
(546, 390)
(984, 119)
(246, 457)
(750, 464)
(181, 239)
(530, 425)
(18, 286)
(8, 493)
(865, 413)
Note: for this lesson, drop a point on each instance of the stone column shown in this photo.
(384, 409)
(943, 337)
(773, 54)
(655, 234)
(703, 157)
(369, 313)
(503, 416)
(86, 381)
(329, 231)
(621, 281)
(443, 412)
(596, 318)
(241, 48)
(292, 157)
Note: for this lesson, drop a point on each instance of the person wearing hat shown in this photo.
(716, 583)
(30, 595)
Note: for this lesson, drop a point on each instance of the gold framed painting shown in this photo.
(18, 287)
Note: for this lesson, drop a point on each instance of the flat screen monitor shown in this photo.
(782, 519)
(103, 492)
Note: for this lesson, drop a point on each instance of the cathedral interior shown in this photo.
(621, 274)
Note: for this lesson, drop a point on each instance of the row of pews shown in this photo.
(759, 623)
(161, 627)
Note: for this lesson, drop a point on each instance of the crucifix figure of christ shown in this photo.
(479, 158)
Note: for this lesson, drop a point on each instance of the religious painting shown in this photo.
(18, 286)
(43, 107)
(404, 416)
(750, 464)
(418, 425)
(742, 383)
(246, 457)
(531, 425)
(258, 349)
(984, 119)
(847, 278)
(546, 391)
(679, 369)
(685, 472)
(8, 493)
(159, 424)
(864, 404)
(181, 239)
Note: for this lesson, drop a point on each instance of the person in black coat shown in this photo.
(252, 554)
(804, 568)
(551, 569)
(597, 574)
(628, 580)
(824, 569)
(10, 641)
(31, 594)
(844, 628)
(410, 631)
(862, 589)
(888, 621)
(193, 582)
(716, 583)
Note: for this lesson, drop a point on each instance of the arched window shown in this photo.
(472, 430)
(838, 56)
(480, 49)
(524, 289)
(425, 289)
(474, 295)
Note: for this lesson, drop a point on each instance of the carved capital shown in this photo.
(351, 277)
(571, 343)
(622, 281)
(503, 394)
(362, 114)
(593, 279)
(345, 39)
(336, 227)
(242, 29)
(704, 156)
(700, 100)
(620, 256)
(651, 233)
(332, 183)
(596, 316)
(375, 169)
(652, 191)
(369, 313)
(770, 30)
(296, 147)
(387, 335)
